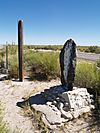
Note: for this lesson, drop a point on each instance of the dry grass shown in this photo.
(35, 117)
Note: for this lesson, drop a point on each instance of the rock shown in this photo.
(58, 99)
(92, 107)
(47, 123)
(64, 120)
(51, 116)
(60, 106)
(54, 102)
(65, 101)
(65, 96)
(66, 115)
(56, 110)
(86, 109)
(76, 114)
(91, 96)
(78, 98)
(64, 106)
(67, 64)
(49, 103)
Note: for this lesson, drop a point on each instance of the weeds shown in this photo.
(42, 65)
(87, 76)
(35, 116)
(3, 127)
(98, 63)
(13, 66)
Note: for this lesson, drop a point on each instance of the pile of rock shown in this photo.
(62, 103)
(71, 103)
(65, 106)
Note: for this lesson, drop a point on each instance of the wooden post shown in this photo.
(7, 57)
(20, 50)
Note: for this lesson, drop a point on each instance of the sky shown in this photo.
(51, 21)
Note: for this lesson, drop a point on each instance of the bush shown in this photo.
(43, 65)
(98, 63)
(87, 50)
(12, 49)
(2, 56)
(82, 48)
(93, 49)
(87, 76)
(13, 67)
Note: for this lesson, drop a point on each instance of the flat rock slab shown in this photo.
(53, 116)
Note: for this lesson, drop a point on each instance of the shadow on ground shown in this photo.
(41, 99)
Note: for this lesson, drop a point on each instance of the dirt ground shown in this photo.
(12, 92)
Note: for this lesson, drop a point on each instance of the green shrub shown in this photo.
(13, 67)
(43, 65)
(2, 56)
(93, 49)
(97, 50)
(87, 76)
(2, 52)
(98, 63)
(12, 49)
(82, 48)
(39, 65)
(87, 50)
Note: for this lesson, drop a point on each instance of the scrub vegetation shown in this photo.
(41, 65)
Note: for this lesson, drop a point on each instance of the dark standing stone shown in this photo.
(68, 64)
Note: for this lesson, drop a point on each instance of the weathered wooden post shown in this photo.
(20, 50)
(6, 57)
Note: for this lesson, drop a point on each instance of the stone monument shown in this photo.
(62, 103)
(67, 64)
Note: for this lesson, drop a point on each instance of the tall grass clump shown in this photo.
(43, 65)
(13, 66)
(87, 75)
(98, 63)
(2, 56)
(12, 49)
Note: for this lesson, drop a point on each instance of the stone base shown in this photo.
(60, 106)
